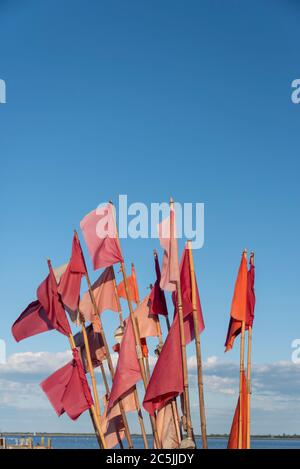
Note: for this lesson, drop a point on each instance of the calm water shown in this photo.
(90, 442)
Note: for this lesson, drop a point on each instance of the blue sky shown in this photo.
(153, 99)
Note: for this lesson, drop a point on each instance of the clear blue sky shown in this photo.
(152, 99)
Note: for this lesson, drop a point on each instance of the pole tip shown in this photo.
(110, 202)
(171, 200)
(155, 252)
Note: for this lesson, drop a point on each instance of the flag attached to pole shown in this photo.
(157, 299)
(234, 432)
(100, 234)
(104, 294)
(132, 287)
(96, 346)
(168, 241)
(67, 389)
(244, 295)
(70, 280)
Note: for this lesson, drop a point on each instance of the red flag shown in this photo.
(239, 300)
(234, 432)
(67, 389)
(132, 288)
(128, 369)
(70, 281)
(44, 314)
(168, 241)
(166, 381)
(32, 321)
(235, 326)
(96, 345)
(100, 234)
(157, 300)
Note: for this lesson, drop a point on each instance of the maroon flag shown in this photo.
(157, 300)
(67, 389)
(235, 326)
(96, 345)
(32, 321)
(166, 381)
(70, 281)
(44, 314)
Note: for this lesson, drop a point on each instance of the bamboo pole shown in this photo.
(198, 348)
(136, 396)
(242, 368)
(183, 348)
(249, 390)
(108, 356)
(92, 410)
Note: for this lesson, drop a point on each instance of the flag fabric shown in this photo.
(157, 300)
(166, 381)
(47, 294)
(168, 241)
(96, 345)
(132, 287)
(58, 271)
(235, 326)
(67, 389)
(234, 432)
(44, 314)
(104, 294)
(111, 421)
(100, 234)
(166, 429)
(128, 369)
(187, 302)
(70, 281)
(33, 320)
(148, 324)
(239, 300)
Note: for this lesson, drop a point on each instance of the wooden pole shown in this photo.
(198, 348)
(242, 367)
(249, 390)
(92, 410)
(108, 356)
(136, 396)
(183, 349)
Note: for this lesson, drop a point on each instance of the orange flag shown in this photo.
(239, 304)
(234, 432)
(132, 288)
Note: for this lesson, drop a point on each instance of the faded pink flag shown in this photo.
(168, 434)
(105, 296)
(100, 234)
(148, 324)
(168, 241)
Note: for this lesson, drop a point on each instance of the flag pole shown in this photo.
(108, 356)
(242, 367)
(198, 348)
(137, 339)
(249, 391)
(92, 410)
(136, 396)
(183, 350)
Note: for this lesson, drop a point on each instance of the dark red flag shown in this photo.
(69, 285)
(157, 300)
(44, 314)
(166, 381)
(96, 345)
(32, 321)
(67, 389)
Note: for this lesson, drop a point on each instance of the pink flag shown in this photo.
(128, 369)
(148, 324)
(104, 293)
(168, 241)
(100, 234)
(166, 428)
(67, 389)
(32, 321)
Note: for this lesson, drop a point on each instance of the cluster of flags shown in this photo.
(166, 399)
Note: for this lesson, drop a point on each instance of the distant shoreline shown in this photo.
(215, 436)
